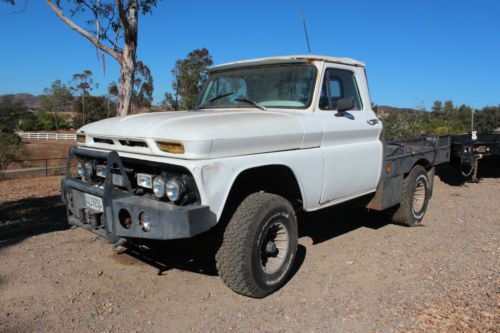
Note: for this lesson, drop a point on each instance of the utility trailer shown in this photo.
(468, 149)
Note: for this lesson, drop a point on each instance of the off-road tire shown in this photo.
(238, 259)
(406, 214)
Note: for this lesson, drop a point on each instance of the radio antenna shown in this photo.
(305, 30)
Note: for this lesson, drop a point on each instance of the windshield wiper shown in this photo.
(213, 99)
(254, 103)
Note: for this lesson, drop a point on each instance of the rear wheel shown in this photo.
(259, 245)
(415, 198)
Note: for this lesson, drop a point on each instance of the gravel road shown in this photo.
(355, 272)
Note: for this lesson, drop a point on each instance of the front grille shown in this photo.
(104, 140)
(133, 143)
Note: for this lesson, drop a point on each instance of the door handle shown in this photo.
(372, 122)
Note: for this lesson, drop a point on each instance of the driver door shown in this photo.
(352, 149)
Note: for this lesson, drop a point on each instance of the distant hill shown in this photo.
(385, 110)
(31, 101)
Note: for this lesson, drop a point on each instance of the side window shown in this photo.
(337, 84)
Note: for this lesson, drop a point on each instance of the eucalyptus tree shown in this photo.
(189, 75)
(112, 27)
(142, 91)
(83, 83)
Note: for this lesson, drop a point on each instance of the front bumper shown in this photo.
(166, 220)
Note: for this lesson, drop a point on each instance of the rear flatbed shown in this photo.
(399, 159)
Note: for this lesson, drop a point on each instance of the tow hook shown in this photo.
(119, 247)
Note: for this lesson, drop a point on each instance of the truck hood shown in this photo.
(204, 134)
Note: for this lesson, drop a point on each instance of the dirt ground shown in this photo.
(355, 272)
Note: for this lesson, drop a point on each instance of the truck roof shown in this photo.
(287, 59)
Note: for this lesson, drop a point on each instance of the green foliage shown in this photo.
(11, 112)
(12, 147)
(98, 108)
(448, 106)
(57, 99)
(170, 102)
(44, 121)
(446, 119)
(83, 83)
(437, 107)
(190, 75)
(143, 87)
(488, 119)
(400, 125)
(55, 103)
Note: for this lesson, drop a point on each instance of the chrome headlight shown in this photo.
(159, 187)
(175, 189)
(145, 180)
(100, 171)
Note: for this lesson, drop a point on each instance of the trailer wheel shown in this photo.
(259, 245)
(415, 199)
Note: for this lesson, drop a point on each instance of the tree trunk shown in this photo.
(83, 109)
(126, 86)
(56, 122)
(128, 58)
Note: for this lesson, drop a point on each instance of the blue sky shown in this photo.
(414, 50)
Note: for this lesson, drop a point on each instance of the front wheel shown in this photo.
(415, 198)
(259, 245)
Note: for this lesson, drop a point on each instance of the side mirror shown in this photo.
(345, 104)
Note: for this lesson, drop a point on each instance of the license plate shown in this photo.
(93, 202)
(481, 149)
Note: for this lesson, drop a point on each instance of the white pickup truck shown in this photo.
(268, 137)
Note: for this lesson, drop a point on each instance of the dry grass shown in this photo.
(47, 148)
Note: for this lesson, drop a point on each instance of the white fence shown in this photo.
(47, 136)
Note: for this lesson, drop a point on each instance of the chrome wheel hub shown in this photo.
(274, 248)
(419, 196)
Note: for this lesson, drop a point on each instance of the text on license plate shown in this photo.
(93, 202)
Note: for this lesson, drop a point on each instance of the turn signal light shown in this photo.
(171, 147)
(80, 138)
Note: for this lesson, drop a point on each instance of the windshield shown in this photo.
(274, 86)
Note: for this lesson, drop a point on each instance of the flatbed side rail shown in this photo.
(439, 145)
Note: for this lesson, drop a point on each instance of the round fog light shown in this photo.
(159, 187)
(174, 190)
